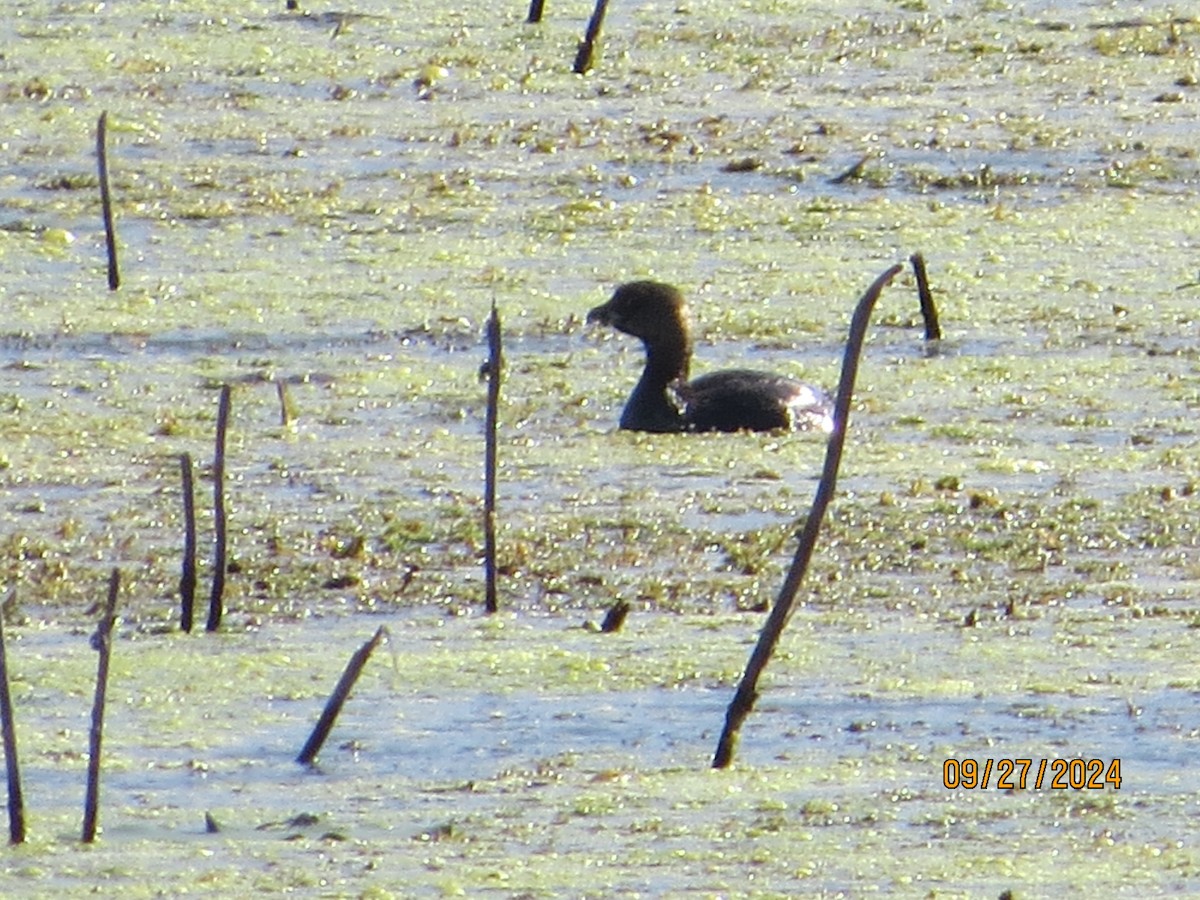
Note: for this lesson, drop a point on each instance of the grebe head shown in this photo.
(648, 310)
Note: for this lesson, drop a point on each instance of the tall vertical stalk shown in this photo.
(494, 367)
(110, 233)
(187, 575)
(102, 641)
(217, 598)
(16, 802)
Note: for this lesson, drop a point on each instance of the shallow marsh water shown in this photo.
(335, 201)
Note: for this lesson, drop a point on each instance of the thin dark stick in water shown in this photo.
(535, 11)
(187, 577)
(216, 600)
(933, 330)
(494, 366)
(110, 234)
(747, 690)
(854, 173)
(16, 802)
(102, 641)
(583, 56)
(285, 402)
(342, 691)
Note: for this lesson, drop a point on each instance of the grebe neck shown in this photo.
(653, 405)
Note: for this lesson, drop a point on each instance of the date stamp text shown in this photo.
(1021, 774)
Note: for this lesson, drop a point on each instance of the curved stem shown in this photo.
(768, 639)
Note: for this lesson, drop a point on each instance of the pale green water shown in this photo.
(293, 205)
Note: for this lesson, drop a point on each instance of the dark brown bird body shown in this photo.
(730, 400)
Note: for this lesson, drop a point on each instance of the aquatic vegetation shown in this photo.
(335, 201)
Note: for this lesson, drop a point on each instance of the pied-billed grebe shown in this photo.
(730, 400)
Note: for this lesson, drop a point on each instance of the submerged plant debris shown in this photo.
(334, 199)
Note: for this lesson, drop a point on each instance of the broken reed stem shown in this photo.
(933, 329)
(102, 641)
(583, 56)
(494, 366)
(216, 599)
(854, 173)
(747, 690)
(615, 617)
(285, 402)
(535, 11)
(336, 700)
(187, 577)
(16, 802)
(110, 234)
